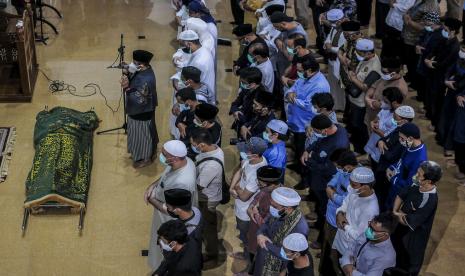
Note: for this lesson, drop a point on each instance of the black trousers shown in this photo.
(237, 12)
(410, 58)
(381, 13)
(434, 96)
(392, 43)
(364, 11)
(459, 149)
(357, 128)
(319, 30)
(320, 209)
(299, 144)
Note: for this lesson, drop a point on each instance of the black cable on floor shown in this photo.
(57, 86)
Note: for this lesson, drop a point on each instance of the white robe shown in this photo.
(183, 178)
(203, 60)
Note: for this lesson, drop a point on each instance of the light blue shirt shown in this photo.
(371, 259)
(276, 155)
(300, 113)
(340, 182)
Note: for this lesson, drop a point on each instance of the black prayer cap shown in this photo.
(350, 26)
(269, 174)
(452, 23)
(206, 111)
(321, 121)
(191, 73)
(243, 29)
(278, 17)
(410, 130)
(265, 98)
(142, 56)
(177, 197)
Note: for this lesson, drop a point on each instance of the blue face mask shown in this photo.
(274, 212)
(250, 58)
(428, 28)
(162, 159)
(194, 149)
(183, 107)
(394, 122)
(291, 51)
(244, 86)
(283, 254)
(343, 172)
(319, 135)
(244, 156)
(301, 75)
(315, 111)
(444, 33)
(266, 137)
(370, 234)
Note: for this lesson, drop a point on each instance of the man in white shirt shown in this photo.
(359, 207)
(200, 58)
(244, 184)
(259, 56)
(209, 162)
(179, 173)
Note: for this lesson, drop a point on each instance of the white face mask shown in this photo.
(386, 77)
(165, 246)
(132, 68)
(461, 54)
(359, 57)
(314, 110)
(445, 34)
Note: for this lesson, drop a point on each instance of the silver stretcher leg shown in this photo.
(81, 219)
(25, 219)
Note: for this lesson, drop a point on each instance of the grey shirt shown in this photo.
(210, 175)
(370, 258)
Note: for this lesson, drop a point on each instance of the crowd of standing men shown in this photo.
(355, 144)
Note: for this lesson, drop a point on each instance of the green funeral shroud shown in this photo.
(63, 159)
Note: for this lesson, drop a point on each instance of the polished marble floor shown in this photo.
(117, 223)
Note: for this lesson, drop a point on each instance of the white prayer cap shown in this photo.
(188, 35)
(405, 111)
(364, 45)
(362, 175)
(334, 14)
(278, 126)
(295, 242)
(196, 24)
(286, 197)
(175, 148)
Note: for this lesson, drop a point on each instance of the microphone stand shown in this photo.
(121, 59)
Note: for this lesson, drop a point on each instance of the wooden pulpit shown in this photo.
(18, 60)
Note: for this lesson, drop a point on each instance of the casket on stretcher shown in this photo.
(61, 169)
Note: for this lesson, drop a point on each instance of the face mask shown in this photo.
(315, 111)
(162, 159)
(356, 191)
(197, 123)
(386, 77)
(244, 86)
(291, 51)
(415, 180)
(406, 143)
(283, 254)
(370, 234)
(301, 75)
(165, 246)
(187, 50)
(194, 149)
(245, 42)
(394, 122)
(267, 137)
(343, 172)
(385, 106)
(444, 33)
(274, 212)
(183, 107)
(172, 214)
(428, 28)
(132, 68)
(250, 58)
(319, 135)
(461, 54)
(359, 57)
(244, 156)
